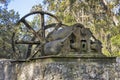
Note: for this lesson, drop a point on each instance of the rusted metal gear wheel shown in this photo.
(39, 35)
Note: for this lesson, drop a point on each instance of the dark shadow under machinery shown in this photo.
(63, 40)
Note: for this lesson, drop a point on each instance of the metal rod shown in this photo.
(27, 42)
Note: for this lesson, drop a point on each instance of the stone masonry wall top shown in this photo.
(61, 69)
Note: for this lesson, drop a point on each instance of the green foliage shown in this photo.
(36, 8)
(7, 21)
(106, 52)
(116, 40)
(5, 2)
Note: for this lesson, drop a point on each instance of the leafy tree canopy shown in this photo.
(8, 19)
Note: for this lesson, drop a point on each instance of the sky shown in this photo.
(23, 6)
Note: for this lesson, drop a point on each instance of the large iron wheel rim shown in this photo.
(33, 31)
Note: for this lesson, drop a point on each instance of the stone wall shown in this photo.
(60, 69)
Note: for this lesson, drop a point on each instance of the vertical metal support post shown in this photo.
(43, 33)
(42, 25)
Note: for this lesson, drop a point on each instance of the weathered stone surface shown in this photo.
(62, 69)
(7, 70)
